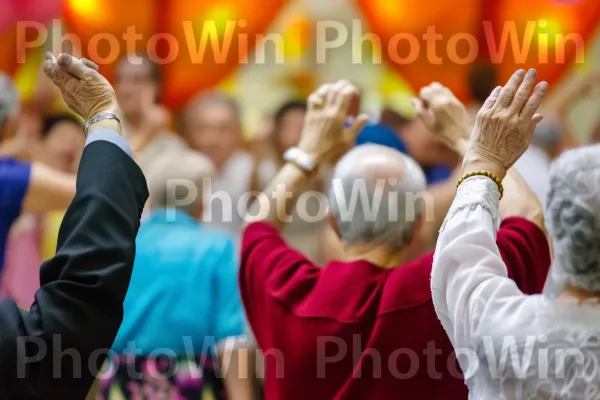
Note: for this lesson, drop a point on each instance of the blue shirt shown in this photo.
(183, 296)
(14, 180)
(382, 135)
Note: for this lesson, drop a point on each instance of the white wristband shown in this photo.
(299, 158)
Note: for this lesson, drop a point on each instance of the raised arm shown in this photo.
(263, 248)
(56, 349)
(48, 189)
(446, 117)
(469, 279)
(322, 139)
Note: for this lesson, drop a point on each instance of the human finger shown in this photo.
(510, 89)
(535, 100)
(72, 65)
(491, 100)
(524, 91)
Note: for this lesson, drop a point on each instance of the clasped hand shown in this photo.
(82, 87)
(443, 115)
(324, 136)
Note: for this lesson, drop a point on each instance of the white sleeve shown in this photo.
(470, 285)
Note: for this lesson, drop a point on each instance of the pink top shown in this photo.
(20, 279)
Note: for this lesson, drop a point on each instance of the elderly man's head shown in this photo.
(179, 183)
(212, 125)
(135, 75)
(573, 218)
(375, 197)
(9, 105)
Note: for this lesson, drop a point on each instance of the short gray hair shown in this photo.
(9, 99)
(573, 217)
(379, 207)
(176, 176)
(547, 134)
(208, 99)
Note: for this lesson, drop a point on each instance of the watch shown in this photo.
(300, 159)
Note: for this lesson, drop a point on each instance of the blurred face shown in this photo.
(7, 127)
(132, 81)
(424, 147)
(290, 129)
(45, 94)
(63, 146)
(213, 130)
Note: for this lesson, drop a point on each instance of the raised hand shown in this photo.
(443, 115)
(324, 135)
(505, 123)
(82, 87)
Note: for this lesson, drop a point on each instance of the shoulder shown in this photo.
(408, 286)
(172, 141)
(522, 231)
(213, 240)
(216, 235)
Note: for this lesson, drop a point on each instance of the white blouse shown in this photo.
(509, 345)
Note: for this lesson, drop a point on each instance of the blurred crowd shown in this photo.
(185, 279)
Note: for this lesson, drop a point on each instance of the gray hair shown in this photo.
(179, 181)
(374, 196)
(547, 134)
(573, 217)
(208, 99)
(9, 98)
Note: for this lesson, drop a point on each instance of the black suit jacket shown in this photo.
(55, 350)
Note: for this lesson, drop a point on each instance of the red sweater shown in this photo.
(357, 331)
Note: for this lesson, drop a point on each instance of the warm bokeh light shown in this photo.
(545, 52)
(195, 71)
(577, 19)
(415, 24)
(222, 17)
(187, 72)
(89, 27)
(89, 9)
(297, 36)
(389, 11)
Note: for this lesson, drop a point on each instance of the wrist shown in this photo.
(472, 163)
(462, 146)
(314, 155)
(109, 124)
(306, 174)
(495, 169)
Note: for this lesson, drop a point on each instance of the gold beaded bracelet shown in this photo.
(493, 177)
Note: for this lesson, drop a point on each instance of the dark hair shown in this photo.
(292, 105)
(392, 119)
(282, 111)
(50, 122)
(482, 80)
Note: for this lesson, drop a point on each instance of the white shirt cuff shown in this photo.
(476, 191)
(109, 136)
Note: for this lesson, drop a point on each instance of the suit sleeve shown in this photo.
(56, 349)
